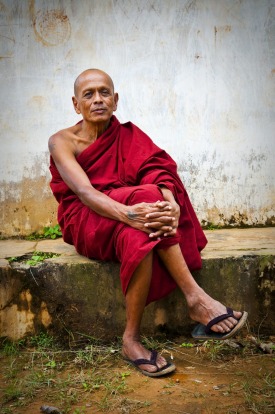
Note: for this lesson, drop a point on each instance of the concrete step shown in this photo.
(71, 295)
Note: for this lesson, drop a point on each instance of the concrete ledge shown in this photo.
(72, 295)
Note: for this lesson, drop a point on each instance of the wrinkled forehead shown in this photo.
(93, 79)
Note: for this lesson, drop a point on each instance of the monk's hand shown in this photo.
(136, 215)
(165, 221)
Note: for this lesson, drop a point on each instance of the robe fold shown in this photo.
(126, 165)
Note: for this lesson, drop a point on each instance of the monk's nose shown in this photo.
(97, 97)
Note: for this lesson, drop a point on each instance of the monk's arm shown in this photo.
(75, 177)
(77, 180)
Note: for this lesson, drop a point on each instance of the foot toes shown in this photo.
(237, 315)
(161, 362)
(222, 327)
(227, 324)
(149, 368)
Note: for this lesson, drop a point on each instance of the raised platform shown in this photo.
(72, 295)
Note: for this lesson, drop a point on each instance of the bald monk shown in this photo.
(120, 198)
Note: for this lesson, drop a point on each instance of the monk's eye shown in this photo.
(105, 92)
(87, 94)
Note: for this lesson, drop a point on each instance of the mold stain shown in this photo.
(2, 7)
(221, 30)
(17, 320)
(51, 27)
(46, 318)
(239, 219)
(160, 317)
(38, 102)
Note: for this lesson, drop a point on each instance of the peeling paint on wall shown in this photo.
(28, 207)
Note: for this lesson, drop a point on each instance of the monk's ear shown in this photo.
(75, 104)
(115, 101)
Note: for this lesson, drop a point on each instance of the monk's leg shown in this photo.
(136, 296)
(202, 308)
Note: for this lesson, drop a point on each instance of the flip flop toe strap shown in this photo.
(219, 319)
(151, 361)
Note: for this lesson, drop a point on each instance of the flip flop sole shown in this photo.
(166, 370)
(199, 330)
(161, 373)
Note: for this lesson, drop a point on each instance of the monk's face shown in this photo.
(94, 97)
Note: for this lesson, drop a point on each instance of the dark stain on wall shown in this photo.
(51, 27)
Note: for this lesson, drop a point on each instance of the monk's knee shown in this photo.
(148, 193)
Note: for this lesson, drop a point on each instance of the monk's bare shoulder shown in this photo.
(62, 139)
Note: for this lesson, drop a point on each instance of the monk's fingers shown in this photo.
(144, 209)
(165, 224)
(164, 205)
(157, 214)
(170, 233)
(163, 229)
(156, 234)
(150, 209)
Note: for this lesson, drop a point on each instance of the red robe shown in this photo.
(126, 165)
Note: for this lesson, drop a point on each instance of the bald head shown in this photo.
(90, 72)
(94, 96)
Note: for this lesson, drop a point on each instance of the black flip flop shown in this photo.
(204, 331)
(167, 369)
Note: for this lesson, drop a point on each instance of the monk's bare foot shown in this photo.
(132, 349)
(203, 308)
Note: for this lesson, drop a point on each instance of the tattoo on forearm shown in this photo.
(131, 215)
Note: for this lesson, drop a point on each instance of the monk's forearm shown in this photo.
(102, 204)
(167, 194)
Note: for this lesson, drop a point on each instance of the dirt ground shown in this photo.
(233, 377)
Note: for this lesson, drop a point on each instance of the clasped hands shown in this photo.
(156, 219)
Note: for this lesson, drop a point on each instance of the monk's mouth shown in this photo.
(99, 110)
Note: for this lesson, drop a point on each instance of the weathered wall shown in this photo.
(196, 75)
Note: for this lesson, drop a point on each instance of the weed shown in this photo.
(153, 343)
(128, 405)
(51, 364)
(186, 345)
(92, 355)
(42, 341)
(6, 411)
(79, 410)
(12, 392)
(33, 259)
(207, 225)
(218, 350)
(270, 381)
(11, 347)
(254, 391)
(12, 370)
(12, 259)
(170, 384)
(52, 232)
(38, 257)
(125, 374)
